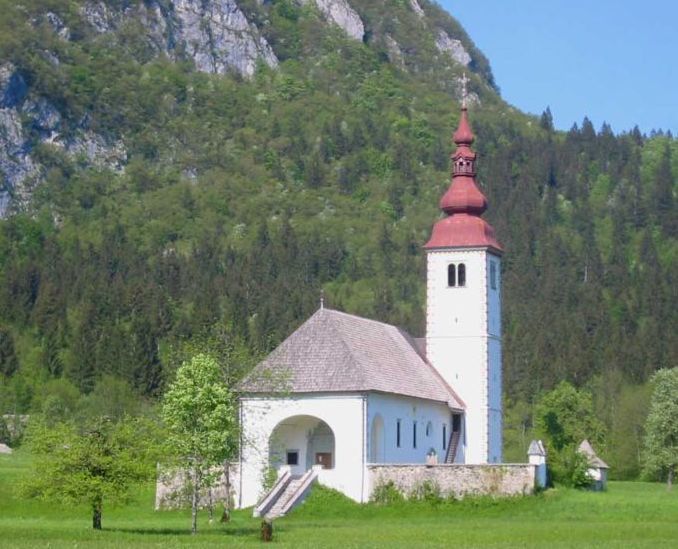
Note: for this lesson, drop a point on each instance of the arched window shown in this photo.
(429, 429)
(451, 275)
(461, 275)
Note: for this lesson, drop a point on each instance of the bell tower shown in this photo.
(463, 303)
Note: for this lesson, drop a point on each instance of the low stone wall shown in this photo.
(456, 480)
(172, 489)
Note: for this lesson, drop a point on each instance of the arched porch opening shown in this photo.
(301, 442)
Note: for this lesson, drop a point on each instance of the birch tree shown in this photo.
(199, 414)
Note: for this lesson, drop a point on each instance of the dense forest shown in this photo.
(239, 199)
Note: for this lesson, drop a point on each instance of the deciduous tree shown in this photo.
(661, 428)
(564, 417)
(199, 412)
(97, 464)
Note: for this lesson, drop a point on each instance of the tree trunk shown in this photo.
(96, 515)
(266, 530)
(226, 515)
(669, 480)
(195, 500)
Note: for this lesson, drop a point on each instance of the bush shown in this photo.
(427, 491)
(386, 494)
(5, 435)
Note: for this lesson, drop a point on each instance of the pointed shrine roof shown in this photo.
(536, 448)
(594, 461)
(338, 352)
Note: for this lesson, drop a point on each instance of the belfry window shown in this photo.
(456, 275)
(461, 274)
(493, 275)
(452, 275)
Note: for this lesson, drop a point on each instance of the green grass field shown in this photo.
(629, 514)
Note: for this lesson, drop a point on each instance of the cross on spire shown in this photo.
(464, 90)
(322, 298)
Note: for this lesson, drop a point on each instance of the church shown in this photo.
(343, 393)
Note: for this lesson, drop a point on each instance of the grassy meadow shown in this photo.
(629, 514)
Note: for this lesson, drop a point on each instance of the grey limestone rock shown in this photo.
(453, 47)
(341, 14)
(416, 8)
(44, 116)
(58, 26)
(100, 16)
(219, 38)
(16, 165)
(96, 150)
(395, 54)
(13, 87)
(215, 34)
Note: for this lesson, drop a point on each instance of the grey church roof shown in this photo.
(337, 352)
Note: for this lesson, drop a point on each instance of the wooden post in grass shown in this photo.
(266, 530)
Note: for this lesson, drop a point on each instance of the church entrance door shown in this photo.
(324, 459)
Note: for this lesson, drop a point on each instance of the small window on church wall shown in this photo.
(414, 435)
(461, 275)
(398, 434)
(493, 275)
(452, 275)
(292, 457)
(444, 436)
(429, 429)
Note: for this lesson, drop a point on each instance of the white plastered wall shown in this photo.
(463, 342)
(345, 415)
(392, 408)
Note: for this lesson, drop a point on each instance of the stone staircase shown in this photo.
(288, 491)
(452, 446)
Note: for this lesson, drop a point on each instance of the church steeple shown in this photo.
(464, 202)
(463, 304)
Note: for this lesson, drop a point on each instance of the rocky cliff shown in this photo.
(221, 37)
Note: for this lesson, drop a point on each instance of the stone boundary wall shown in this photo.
(171, 489)
(456, 480)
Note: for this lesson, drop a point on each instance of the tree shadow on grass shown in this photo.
(235, 532)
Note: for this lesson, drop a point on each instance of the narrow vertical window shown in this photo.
(461, 275)
(398, 434)
(451, 275)
(444, 436)
(414, 434)
(493, 275)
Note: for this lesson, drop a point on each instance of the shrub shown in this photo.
(427, 491)
(386, 494)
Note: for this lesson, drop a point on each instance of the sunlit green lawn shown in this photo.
(629, 514)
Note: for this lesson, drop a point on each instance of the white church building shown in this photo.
(343, 393)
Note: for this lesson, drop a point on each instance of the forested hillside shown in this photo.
(152, 206)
